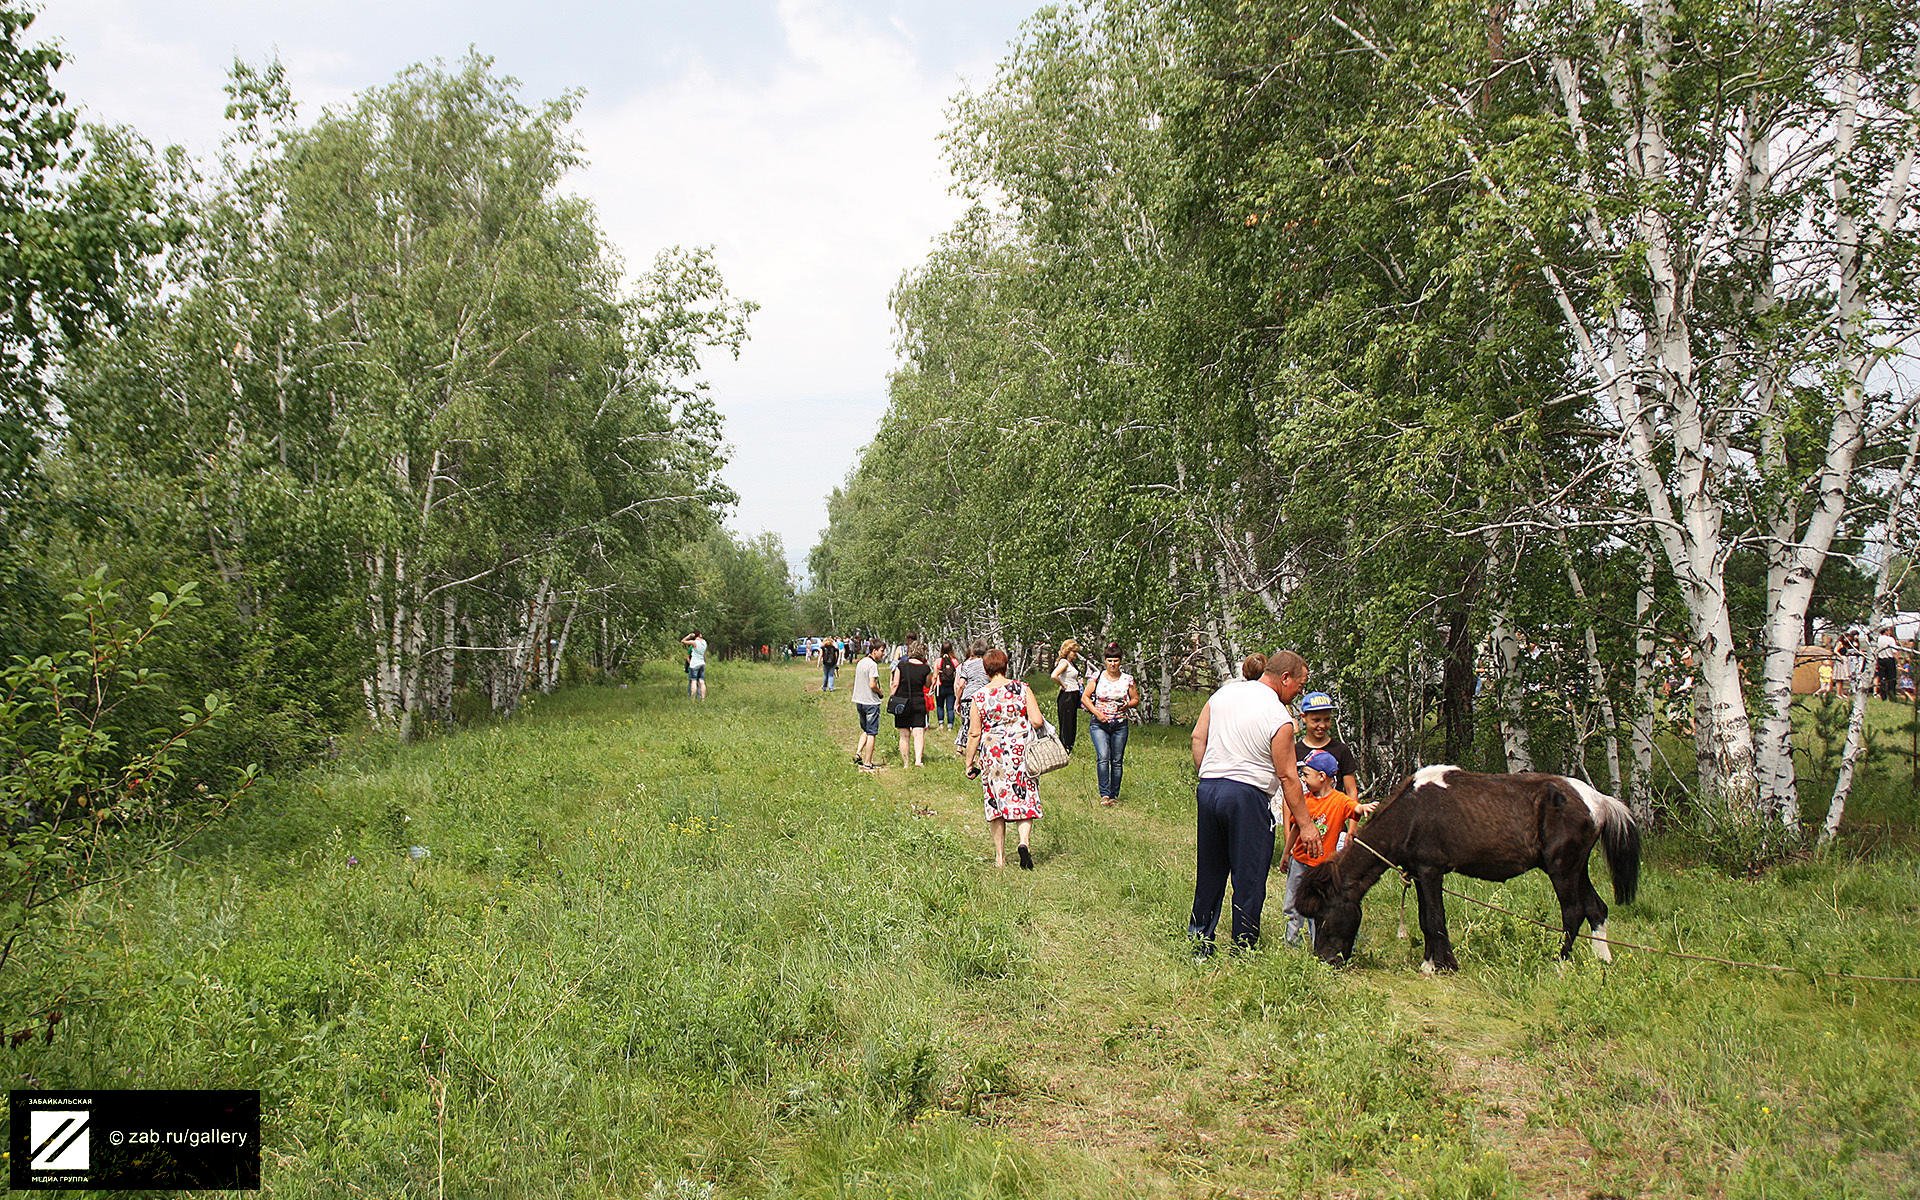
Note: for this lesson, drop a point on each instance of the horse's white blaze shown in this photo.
(1601, 949)
(1605, 809)
(1435, 775)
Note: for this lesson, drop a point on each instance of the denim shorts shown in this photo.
(869, 718)
(697, 674)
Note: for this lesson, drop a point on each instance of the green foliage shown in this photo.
(396, 401)
(93, 787)
(1283, 324)
(742, 593)
(80, 212)
(73, 226)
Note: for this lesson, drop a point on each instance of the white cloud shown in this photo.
(817, 184)
(817, 179)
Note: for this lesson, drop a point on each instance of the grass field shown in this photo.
(663, 950)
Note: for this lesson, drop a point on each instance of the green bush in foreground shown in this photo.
(90, 789)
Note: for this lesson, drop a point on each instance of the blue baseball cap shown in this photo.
(1323, 762)
(1316, 702)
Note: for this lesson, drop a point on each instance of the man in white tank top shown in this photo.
(1243, 749)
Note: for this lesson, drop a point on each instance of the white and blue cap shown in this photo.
(1316, 702)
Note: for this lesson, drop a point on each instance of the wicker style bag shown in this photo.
(1046, 753)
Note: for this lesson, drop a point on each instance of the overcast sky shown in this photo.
(797, 137)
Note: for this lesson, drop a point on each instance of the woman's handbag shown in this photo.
(898, 705)
(1046, 753)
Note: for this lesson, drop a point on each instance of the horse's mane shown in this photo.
(1406, 788)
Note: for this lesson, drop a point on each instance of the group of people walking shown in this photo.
(1264, 782)
(993, 717)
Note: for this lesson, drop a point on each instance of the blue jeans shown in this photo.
(1109, 755)
(826, 674)
(943, 704)
(1296, 871)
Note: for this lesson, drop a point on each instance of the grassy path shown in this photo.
(1258, 1075)
(655, 949)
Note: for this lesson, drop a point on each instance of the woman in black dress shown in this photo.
(908, 701)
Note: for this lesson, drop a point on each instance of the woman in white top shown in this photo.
(1111, 696)
(1066, 673)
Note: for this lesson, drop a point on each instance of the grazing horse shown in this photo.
(1494, 827)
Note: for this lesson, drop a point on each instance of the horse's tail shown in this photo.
(1620, 834)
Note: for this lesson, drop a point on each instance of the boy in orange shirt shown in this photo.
(1330, 810)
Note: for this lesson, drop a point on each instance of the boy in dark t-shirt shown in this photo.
(1316, 733)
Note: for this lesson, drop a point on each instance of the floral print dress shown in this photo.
(1012, 791)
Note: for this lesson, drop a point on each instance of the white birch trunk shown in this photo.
(559, 649)
(1507, 654)
(1798, 554)
(379, 710)
(1236, 650)
(1896, 541)
(1596, 674)
(402, 662)
(1682, 495)
(1164, 703)
(1641, 800)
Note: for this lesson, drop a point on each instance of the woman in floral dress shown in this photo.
(1005, 714)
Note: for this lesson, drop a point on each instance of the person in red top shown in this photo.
(1330, 810)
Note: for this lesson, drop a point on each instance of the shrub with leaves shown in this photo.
(90, 791)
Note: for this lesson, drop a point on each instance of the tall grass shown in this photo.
(664, 949)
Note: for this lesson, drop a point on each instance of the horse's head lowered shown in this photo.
(1324, 899)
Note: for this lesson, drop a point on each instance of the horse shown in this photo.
(1443, 819)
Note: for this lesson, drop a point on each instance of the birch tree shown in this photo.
(398, 378)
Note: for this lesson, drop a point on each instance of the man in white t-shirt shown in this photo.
(866, 702)
(1887, 665)
(1243, 750)
(696, 664)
